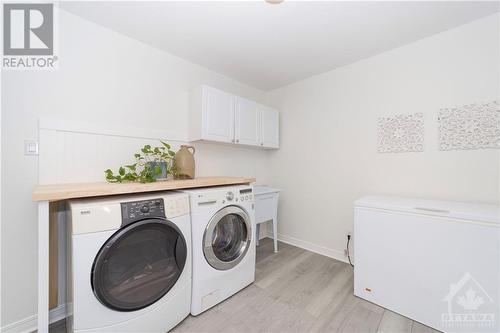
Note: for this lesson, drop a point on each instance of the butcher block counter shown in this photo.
(48, 197)
(83, 190)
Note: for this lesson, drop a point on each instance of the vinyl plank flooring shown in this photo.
(336, 313)
(394, 323)
(293, 281)
(361, 319)
(276, 269)
(58, 327)
(421, 328)
(295, 291)
(338, 281)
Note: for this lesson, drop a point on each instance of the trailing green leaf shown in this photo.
(141, 170)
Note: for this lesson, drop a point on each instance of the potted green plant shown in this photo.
(151, 164)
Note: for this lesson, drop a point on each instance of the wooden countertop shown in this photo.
(58, 192)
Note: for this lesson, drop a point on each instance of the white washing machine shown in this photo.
(223, 228)
(130, 263)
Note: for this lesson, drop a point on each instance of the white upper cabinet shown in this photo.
(269, 127)
(215, 115)
(246, 122)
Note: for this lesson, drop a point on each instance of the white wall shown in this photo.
(328, 154)
(108, 80)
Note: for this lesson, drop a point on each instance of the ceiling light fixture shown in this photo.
(274, 2)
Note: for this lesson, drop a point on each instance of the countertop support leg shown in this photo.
(257, 234)
(43, 267)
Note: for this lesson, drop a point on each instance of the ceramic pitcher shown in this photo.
(184, 162)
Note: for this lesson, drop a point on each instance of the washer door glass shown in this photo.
(227, 238)
(138, 265)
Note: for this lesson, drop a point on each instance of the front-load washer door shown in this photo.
(227, 238)
(138, 265)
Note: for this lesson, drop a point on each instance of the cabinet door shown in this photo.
(269, 127)
(247, 122)
(218, 115)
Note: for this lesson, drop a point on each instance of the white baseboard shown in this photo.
(29, 324)
(331, 253)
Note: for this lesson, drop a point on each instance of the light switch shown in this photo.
(30, 147)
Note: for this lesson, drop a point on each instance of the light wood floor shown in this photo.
(296, 291)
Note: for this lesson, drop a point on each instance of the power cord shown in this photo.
(347, 248)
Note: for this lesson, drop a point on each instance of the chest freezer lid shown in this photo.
(488, 213)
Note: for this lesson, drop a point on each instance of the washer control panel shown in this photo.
(246, 197)
(246, 194)
(135, 210)
(233, 196)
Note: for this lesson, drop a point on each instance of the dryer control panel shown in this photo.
(135, 210)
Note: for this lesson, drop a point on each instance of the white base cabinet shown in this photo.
(217, 116)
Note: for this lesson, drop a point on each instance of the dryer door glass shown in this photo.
(139, 264)
(227, 238)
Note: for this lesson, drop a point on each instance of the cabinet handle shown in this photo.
(237, 140)
(232, 140)
(262, 143)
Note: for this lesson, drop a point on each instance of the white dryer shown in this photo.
(130, 263)
(223, 229)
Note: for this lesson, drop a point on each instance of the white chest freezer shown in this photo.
(435, 262)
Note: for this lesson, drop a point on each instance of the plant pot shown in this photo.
(163, 168)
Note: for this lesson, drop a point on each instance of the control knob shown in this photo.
(229, 196)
